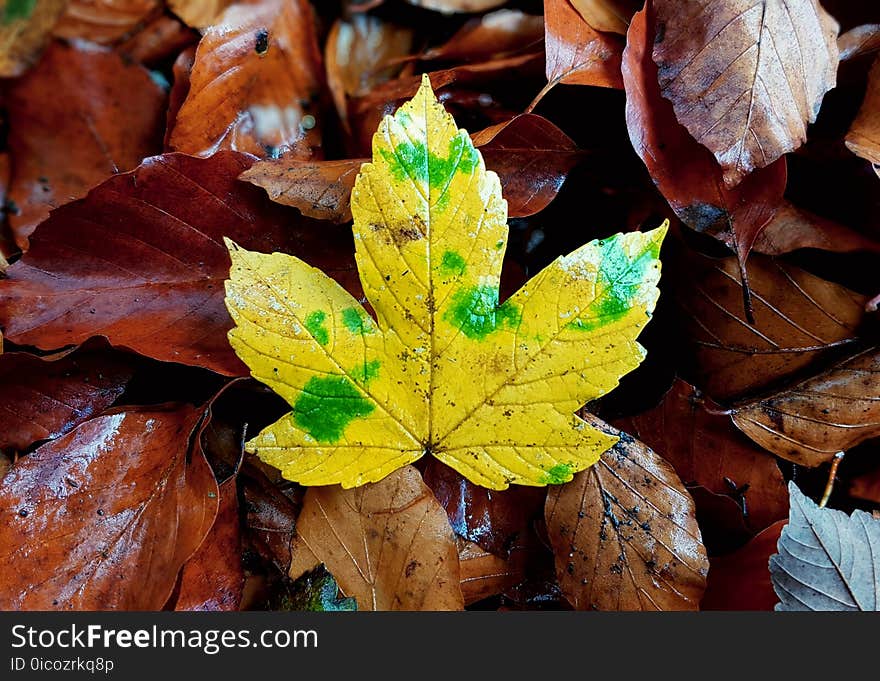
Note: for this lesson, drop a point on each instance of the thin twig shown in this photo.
(832, 474)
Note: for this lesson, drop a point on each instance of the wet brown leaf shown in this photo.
(798, 318)
(158, 41)
(625, 535)
(388, 544)
(199, 13)
(255, 84)
(863, 138)
(270, 518)
(484, 574)
(111, 107)
(745, 77)
(496, 34)
(25, 28)
(607, 15)
(705, 449)
(792, 228)
(105, 22)
(141, 261)
(44, 398)
(82, 532)
(576, 53)
(685, 172)
(813, 420)
(213, 578)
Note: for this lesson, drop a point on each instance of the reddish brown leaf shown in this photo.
(625, 535)
(255, 84)
(44, 398)
(798, 318)
(489, 518)
(111, 107)
(158, 41)
(860, 40)
(863, 138)
(142, 262)
(867, 486)
(388, 544)
(181, 70)
(607, 15)
(745, 76)
(104, 21)
(484, 574)
(705, 449)
(270, 518)
(741, 580)
(496, 34)
(104, 518)
(813, 420)
(451, 6)
(577, 54)
(685, 172)
(199, 13)
(792, 228)
(213, 578)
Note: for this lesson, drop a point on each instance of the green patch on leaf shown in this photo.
(357, 321)
(475, 311)
(559, 474)
(412, 161)
(327, 405)
(16, 10)
(315, 325)
(367, 371)
(452, 264)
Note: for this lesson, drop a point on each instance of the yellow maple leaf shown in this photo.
(489, 389)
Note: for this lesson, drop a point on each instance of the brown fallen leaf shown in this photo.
(798, 319)
(531, 156)
(705, 449)
(685, 172)
(158, 41)
(793, 228)
(270, 518)
(181, 70)
(625, 535)
(576, 53)
(741, 580)
(82, 532)
(44, 398)
(359, 55)
(813, 420)
(489, 518)
(500, 33)
(141, 261)
(863, 138)
(255, 84)
(213, 578)
(111, 107)
(388, 544)
(858, 41)
(453, 6)
(25, 29)
(607, 15)
(104, 22)
(199, 13)
(745, 77)
(484, 574)
(866, 486)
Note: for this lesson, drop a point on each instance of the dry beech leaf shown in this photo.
(141, 261)
(798, 318)
(25, 28)
(863, 138)
(685, 172)
(705, 449)
(199, 13)
(255, 84)
(158, 41)
(104, 21)
(858, 41)
(827, 560)
(745, 77)
(44, 398)
(624, 533)
(740, 580)
(213, 578)
(866, 486)
(445, 369)
(270, 519)
(484, 574)
(111, 107)
(82, 532)
(454, 6)
(811, 421)
(607, 15)
(793, 228)
(358, 56)
(503, 32)
(576, 53)
(388, 544)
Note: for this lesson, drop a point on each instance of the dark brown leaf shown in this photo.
(112, 108)
(141, 261)
(104, 518)
(270, 518)
(813, 420)
(158, 41)
(625, 535)
(705, 449)
(745, 77)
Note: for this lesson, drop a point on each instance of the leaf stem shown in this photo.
(832, 474)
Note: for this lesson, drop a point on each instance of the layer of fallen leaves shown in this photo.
(139, 133)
